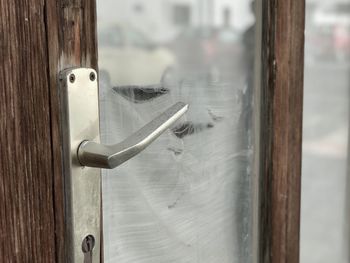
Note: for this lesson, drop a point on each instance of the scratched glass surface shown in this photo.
(188, 196)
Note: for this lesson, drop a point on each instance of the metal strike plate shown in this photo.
(78, 88)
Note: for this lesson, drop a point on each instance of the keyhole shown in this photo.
(87, 247)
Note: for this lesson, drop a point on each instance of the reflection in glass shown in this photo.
(187, 198)
(324, 214)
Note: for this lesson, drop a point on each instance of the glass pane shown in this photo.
(324, 214)
(188, 197)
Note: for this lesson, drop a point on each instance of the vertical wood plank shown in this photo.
(38, 39)
(26, 184)
(281, 129)
(72, 42)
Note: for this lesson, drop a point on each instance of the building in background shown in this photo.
(177, 14)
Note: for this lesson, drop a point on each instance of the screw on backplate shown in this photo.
(92, 76)
(72, 78)
(88, 244)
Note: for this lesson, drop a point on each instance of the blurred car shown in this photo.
(328, 35)
(128, 57)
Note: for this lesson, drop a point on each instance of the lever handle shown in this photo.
(110, 156)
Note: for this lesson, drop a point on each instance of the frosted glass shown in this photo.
(188, 197)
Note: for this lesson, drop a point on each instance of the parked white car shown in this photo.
(128, 57)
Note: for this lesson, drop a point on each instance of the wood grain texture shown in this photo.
(38, 39)
(281, 129)
(26, 184)
(72, 42)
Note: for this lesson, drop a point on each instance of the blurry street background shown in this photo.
(325, 214)
(153, 53)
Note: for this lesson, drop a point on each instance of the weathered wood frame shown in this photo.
(38, 39)
(283, 23)
(42, 37)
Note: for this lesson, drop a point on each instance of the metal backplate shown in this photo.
(80, 121)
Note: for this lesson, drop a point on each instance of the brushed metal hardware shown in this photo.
(93, 154)
(83, 155)
(78, 92)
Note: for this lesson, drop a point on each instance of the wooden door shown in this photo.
(38, 39)
(41, 37)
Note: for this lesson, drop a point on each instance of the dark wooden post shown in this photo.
(27, 220)
(281, 129)
(38, 39)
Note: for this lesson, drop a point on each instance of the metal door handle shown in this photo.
(110, 156)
